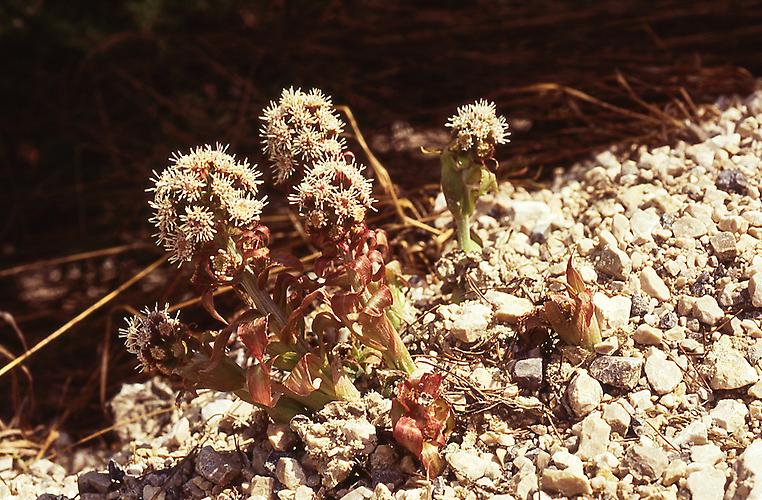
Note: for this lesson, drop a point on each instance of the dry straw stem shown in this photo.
(104, 252)
(383, 176)
(100, 303)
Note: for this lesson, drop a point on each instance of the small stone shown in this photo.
(290, 473)
(646, 461)
(724, 246)
(732, 371)
(584, 394)
(694, 433)
(688, 227)
(749, 471)
(653, 285)
(304, 493)
(647, 335)
(466, 465)
(620, 227)
(702, 154)
(641, 400)
(614, 262)
(732, 181)
(262, 488)
(180, 432)
(566, 482)
(709, 454)
(472, 322)
(640, 305)
(607, 346)
(525, 213)
(707, 310)
(281, 437)
(674, 472)
(617, 371)
(642, 225)
(692, 345)
(614, 312)
(93, 482)
(594, 434)
(755, 289)
(509, 308)
(212, 413)
(668, 320)
(703, 285)
(729, 414)
(707, 484)
(528, 373)
(218, 467)
(359, 493)
(663, 374)
(617, 416)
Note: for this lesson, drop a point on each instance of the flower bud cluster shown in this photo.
(300, 129)
(333, 196)
(160, 341)
(476, 127)
(201, 195)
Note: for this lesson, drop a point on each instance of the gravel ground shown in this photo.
(669, 406)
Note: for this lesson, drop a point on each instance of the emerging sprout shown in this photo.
(422, 420)
(202, 195)
(299, 129)
(477, 128)
(573, 316)
(160, 341)
(333, 197)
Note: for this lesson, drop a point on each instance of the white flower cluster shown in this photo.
(477, 127)
(199, 195)
(157, 338)
(333, 196)
(300, 129)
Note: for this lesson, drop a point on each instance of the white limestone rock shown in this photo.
(663, 374)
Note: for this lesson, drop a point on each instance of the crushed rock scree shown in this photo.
(670, 241)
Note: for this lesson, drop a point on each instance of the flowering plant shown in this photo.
(294, 325)
(476, 129)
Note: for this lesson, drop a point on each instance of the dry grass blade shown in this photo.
(100, 303)
(16, 398)
(70, 258)
(383, 176)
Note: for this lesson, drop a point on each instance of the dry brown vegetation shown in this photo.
(96, 99)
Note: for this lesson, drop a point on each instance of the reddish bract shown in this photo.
(422, 420)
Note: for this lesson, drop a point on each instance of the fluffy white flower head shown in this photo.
(334, 196)
(201, 194)
(300, 129)
(476, 127)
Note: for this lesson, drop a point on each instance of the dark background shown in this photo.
(95, 95)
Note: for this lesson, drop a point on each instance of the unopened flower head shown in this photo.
(300, 129)
(476, 127)
(160, 341)
(203, 193)
(333, 196)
